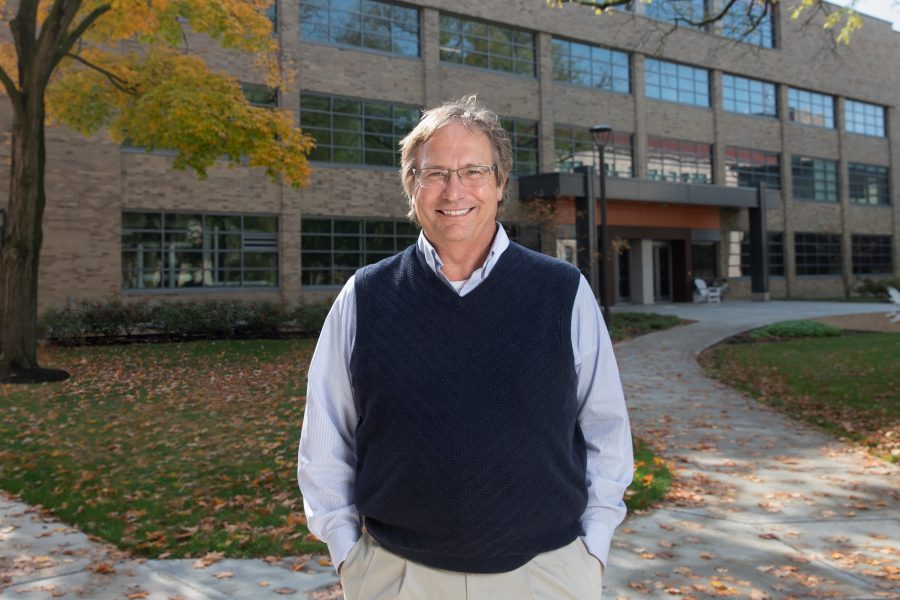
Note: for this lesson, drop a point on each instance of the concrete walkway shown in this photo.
(766, 508)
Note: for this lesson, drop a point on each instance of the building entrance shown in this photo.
(662, 271)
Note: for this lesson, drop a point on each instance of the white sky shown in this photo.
(887, 10)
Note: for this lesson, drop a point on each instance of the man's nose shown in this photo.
(454, 187)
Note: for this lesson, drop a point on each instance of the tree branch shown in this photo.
(66, 44)
(118, 82)
(11, 90)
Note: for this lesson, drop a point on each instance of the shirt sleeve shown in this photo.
(326, 462)
(604, 423)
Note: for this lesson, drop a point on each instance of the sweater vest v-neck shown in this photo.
(469, 453)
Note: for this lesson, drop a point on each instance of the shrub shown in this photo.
(876, 288)
(310, 317)
(795, 329)
(64, 326)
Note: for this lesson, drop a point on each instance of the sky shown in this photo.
(888, 10)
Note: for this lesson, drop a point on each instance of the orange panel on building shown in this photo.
(646, 214)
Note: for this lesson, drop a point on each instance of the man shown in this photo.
(465, 433)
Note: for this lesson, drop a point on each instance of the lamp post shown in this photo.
(601, 135)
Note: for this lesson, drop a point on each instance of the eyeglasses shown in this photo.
(471, 177)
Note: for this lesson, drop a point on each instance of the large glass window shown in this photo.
(748, 96)
(864, 118)
(488, 46)
(814, 179)
(333, 248)
(811, 108)
(367, 24)
(575, 147)
(675, 82)
(817, 253)
(592, 66)
(679, 160)
(680, 12)
(523, 134)
(869, 184)
(356, 131)
(749, 21)
(747, 168)
(872, 254)
(196, 250)
(259, 95)
(775, 243)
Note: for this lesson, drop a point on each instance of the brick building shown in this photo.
(699, 118)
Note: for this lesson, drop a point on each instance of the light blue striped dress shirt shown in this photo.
(327, 459)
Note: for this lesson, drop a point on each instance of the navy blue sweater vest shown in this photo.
(469, 453)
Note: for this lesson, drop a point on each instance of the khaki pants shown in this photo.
(372, 573)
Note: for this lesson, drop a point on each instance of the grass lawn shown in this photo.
(848, 385)
(180, 449)
(627, 325)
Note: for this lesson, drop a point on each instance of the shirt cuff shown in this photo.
(342, 541)
(598, 538)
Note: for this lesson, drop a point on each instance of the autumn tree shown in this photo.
(124, 66)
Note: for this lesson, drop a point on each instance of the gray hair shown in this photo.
(465, 111)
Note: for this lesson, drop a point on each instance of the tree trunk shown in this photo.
(22, 245)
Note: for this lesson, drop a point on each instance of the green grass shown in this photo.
(795, 329)
(180, 449)
(652, 478)
(626, 325)
(847, 385)
(166, 448)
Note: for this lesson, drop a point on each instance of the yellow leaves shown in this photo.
(9, 63)
(846, 15)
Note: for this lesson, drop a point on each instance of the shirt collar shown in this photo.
(429, 253)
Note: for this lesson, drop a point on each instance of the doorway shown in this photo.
(662, 271)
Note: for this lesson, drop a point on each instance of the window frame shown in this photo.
(252, 242)
(817, 257)
(329, 37)
(667, 148)
(558, 45)
(880, 121)
(694, 86)
(398, 129)
(617, 153)
(767, 94)
(802, 106)
(732, 175)
(809, 173)
(864, 262)
(366, 255)
(493, 60)
(877, 175)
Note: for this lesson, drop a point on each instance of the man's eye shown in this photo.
(434, 175)
(473, 172)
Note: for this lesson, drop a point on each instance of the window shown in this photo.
(747, 168)
(872, 254)
(680, 12)
(592, 66)
(575, 147)
(814, 179)
(356, 131)
(523, 134)
(749, 21)
(864, 118)
(194, 250)
(260, 95)
(775, 243)
(676, 83)
(748, 96)
(869, 184)
(678, 160)
(332, 249)
(487, 46)
(811, 108)
(369, 24)
(817, 253)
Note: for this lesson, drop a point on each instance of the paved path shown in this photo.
(769, 509)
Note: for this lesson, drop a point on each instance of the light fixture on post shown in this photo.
(601, 135)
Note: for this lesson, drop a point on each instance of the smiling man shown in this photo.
(465, 433)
